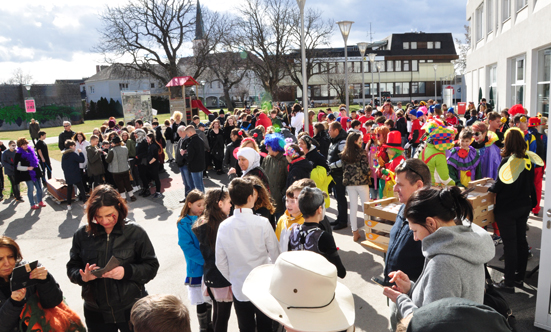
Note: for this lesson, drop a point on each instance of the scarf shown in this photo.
(29, 156)
(252, 156)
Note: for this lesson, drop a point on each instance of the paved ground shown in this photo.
(46, 235)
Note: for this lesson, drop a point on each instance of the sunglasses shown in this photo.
(404, 165)
(477, 133)
(66, 126)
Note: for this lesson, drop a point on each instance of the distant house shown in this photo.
(110, 81)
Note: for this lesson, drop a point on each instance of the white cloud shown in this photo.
(63, 21)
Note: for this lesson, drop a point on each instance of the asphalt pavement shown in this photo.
(46, 235)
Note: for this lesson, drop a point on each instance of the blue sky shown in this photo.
(52, 39)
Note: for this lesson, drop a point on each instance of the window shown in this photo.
(390, 65)
(413, 45)
(478, 21)
(517, 79)
(521, 4)
(405, 88)
(422, 87)
(316, 89)
(544, 81)
(406, 45)
(123, 86)
(493, 82)
(315, 68)
(414, 65)
(505, 9)
(92, 90)
(398, 65)
(406, 65)
(415, 88)
(356, 67)
(430, 60)
(219, 85)
(490, 16)
(340, 67)
(437, 45)
(324, 91)
(430, 45)
(152, 85)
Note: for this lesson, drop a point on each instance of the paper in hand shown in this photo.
(21, 276)
(113, 263)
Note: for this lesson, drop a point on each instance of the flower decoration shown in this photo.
(469, 173)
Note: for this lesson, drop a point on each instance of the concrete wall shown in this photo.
(523, 34)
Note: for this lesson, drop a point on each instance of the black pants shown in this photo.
(81, 194)
(153, 174)
(1, 179)
(250, 318)
(342, 205)
(512, 227)
(14, 187)
(143, 175)
(135, 172)
(122, 180)
(221, 312)
(94, 322)
(97, 180)
(46, 171)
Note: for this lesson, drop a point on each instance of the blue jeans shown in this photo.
(197, 178)
(30, 189)
(188, 181)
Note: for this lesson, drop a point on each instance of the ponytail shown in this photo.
(445, 204)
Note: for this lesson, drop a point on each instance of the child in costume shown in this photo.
(394, 151)
(490, 154)
(464, 161)
(415, 133)
(381, 155)
(451, 118)
(439, 140)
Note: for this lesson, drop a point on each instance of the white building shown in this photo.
(510, 53)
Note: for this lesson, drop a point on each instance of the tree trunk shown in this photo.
(227, 97)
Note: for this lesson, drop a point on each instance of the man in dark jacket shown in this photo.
(404, 253)
(338, 141)
(34, 128)
(95, 162)
(70, 164)
(229, 156)
(65, 135)
(195, 158)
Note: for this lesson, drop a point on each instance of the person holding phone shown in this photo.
(12, 303)
(108, 300)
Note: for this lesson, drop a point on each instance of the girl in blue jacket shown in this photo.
(194, 206)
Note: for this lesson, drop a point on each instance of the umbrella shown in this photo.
(479, 94)
(491, 102)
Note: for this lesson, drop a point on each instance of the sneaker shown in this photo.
(504, 286)
(19, 200)
(35, 207)
(147, 193)
(133, 198)
(497, 240)
(157, 195)
(136, 188)
(41, 204)
(69, 208)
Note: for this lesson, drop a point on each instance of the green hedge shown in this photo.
(16, 114)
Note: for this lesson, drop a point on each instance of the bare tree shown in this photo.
(461, 63)
(316, 33)
(154, 33)
(266, 33)
(336, 81)
(19, 77)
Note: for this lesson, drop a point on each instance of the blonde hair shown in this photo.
(177, 116)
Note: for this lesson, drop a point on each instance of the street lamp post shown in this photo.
(203, 85)
(379, 65)
(301, 4)
(345, 31)
(372, 60)
(435, 86)
(362, 47)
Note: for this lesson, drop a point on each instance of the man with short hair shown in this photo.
(195, 159)
(139, 124)
(195, 121)
(404, 253)
(338, 141)
(95, 161)
(65, 135)
(160, 313)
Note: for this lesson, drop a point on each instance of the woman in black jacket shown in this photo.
(142, 148)
(12, 303)
(217, 209)
(109, 297)
(321, 136)
(230, 124)
(310, 146)
(216, 144)
(169, 138)
(299, 167)
(153, 163)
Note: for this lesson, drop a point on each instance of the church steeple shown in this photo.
(199, 28)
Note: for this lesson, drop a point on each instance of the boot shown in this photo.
(204, 320)
(209, 318)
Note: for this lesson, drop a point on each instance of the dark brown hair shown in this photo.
(416, 170)
(75, 138)
(21, 141)
(466, 134)
(493, 115)
(514, 144)
(104, 195)
(352, 152)
(8, 242)
(264, 199)
(160, 313)
(446, 204)
(335, 125)
(213, 215)
(240, 189)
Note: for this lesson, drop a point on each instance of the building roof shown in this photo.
(182, 80)
(77, 81)
(117, 72)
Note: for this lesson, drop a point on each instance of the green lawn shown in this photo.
(86, 127)
(7, 188)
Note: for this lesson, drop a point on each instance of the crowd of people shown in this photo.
(242, 244)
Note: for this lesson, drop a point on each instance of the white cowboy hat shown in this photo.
(301, 292)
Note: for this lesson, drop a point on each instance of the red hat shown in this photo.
(516, 109)
(394, 140)
(534, 122)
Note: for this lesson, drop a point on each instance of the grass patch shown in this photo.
(7, 188)
(53, 152)
(85, 127)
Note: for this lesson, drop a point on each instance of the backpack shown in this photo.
(496, 301)
(540, 147)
